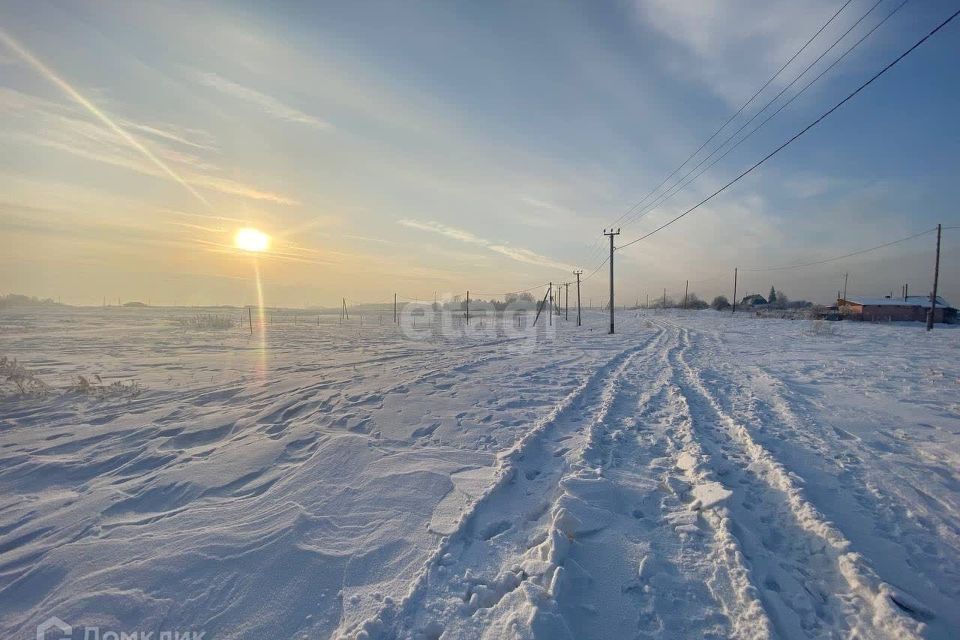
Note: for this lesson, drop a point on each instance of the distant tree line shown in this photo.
(12, 300)
(775, 300)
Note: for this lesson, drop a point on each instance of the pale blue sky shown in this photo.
(421, 147)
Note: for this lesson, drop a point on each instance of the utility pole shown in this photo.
(664, 298)
(542, 304)
(250, 319)
(936, 278)
(734, 290)
(610, 234)
(648, 302)
(468, 307)
(845, 276)
(394, 308)
(577, 273)
(566, 300)
(906, 290)
(550, 315)
(686, 289)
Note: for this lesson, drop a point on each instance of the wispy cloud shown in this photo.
(67, 129)
(515, 253)
(444, 230)
(190, 138)
(268, 104)
(732, 46)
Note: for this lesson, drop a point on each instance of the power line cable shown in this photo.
(679, 185)
(600, 245)
(799, 133)
(677, 188)
(846, 255)
(738, 111)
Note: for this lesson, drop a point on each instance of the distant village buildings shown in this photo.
(891, 309)
(753, 300)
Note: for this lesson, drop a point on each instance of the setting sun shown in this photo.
(251, 240)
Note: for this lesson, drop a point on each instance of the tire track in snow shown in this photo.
(910, 546)
(811, 584)
(510, 520)
(652, 561)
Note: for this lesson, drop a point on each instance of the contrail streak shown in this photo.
(48, 73)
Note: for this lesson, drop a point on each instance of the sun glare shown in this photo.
(251, 240)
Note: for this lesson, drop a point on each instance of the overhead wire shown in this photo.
(678, 187)
(738, 111)
(682, 183)
(598, 247)
(800, 133)
(836, 258)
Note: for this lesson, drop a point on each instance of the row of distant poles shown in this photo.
(933, 293)
(554, 301)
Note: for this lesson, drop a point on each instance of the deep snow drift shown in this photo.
(696, 475)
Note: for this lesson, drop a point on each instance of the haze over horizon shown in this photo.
(441, 148)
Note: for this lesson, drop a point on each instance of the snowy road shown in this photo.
(695, 475)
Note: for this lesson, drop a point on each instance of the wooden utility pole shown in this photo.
(577, 273)
(250, 319)
(550, 315)
(686, 289)
(566, 300)
(542, 304)
(468, 306)
(734, 290)
(610, 234)
(346, 314)
(664, 298)
(845, 276)
(936, 278)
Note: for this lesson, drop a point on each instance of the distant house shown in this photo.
(907, 308)
(753, 300)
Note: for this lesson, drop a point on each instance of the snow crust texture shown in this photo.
(693, 476)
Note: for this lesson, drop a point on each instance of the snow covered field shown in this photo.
(696, 475)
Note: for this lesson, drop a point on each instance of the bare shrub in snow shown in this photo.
(204, 321)
(25, 381)
(97, 388)
(821, 327)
